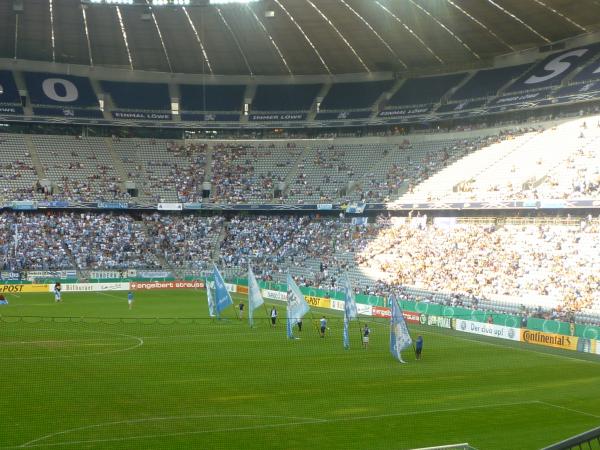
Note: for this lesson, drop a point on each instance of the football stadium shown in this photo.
(300, 224)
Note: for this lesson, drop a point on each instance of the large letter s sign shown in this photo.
(556, 66)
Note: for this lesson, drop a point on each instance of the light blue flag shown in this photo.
(255, 298)
(399, 336)
(350, 311)
(222, 297)
(211, 300)
(346, 332)
(296, 305)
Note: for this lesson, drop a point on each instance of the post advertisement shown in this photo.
(319, 302)
(22, 288)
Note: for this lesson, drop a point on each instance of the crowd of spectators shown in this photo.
(184, 241)
(555, 264)
(253, 173)
(73, 240)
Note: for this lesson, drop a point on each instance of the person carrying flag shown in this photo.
(57, 294)
(273, 316)
(365, 336)
(418, 347)
(323, 322)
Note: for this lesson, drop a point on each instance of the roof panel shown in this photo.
(144, 42)
(220, 46)
(182, 46)
(7, 30)
(106, 40)
(485, 28)
(34, 31)
(69, 33)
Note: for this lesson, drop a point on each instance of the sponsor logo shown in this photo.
(9, 110)
(267, 117)
(411, 317)
(91, 287)
(161, 285)
(379, 311)
(319, 302)
(141, 115)
(404, 112)
(19, 288)
(549, 339)
(487, 329)
(435, 321)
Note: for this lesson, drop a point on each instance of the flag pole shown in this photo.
(267, 313)
(312, 318)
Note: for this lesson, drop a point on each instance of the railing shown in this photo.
(588, 440)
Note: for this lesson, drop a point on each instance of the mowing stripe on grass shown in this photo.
(304, 421)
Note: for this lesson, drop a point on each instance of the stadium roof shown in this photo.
(283, 37)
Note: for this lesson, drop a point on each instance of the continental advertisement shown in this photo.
(23, 288)
(549, 339)
(162, 285)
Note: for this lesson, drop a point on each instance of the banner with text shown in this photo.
(487, 329)
(549, 339)
(162, 285)
(22, 288)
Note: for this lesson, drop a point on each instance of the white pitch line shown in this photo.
(157, 419)
(304, 421)
(55, 341)
(570, 409)
(139, 343)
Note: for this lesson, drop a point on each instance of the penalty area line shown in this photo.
(583, 413)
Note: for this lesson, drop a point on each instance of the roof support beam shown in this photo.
(411, 31)
(262, 26)
(305, 36)
(526, 25)
(342, 37)
(445, 28)
(490, 31)
(237, 43)
(377, 35)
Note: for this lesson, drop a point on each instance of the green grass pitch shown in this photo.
(88, 373)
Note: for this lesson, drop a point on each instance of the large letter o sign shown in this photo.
(60, 90)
